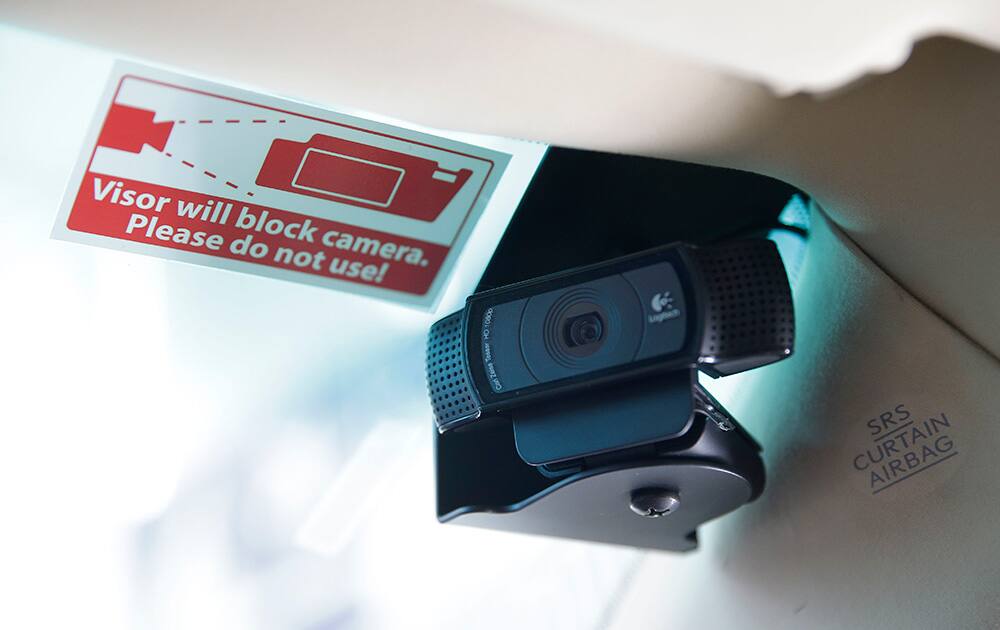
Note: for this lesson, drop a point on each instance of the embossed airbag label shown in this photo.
(903, 444)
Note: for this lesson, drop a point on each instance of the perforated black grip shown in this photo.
(749, 319)
(452, 395)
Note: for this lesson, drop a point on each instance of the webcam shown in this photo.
(721, 309)
(569, 405)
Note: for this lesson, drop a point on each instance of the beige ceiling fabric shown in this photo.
(906, 163)
(832, 43)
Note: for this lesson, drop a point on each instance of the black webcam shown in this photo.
(722, 309)
(569, 405)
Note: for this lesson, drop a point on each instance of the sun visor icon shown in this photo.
(361, 175)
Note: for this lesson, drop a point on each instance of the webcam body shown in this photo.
(569, 405)
(722, 308)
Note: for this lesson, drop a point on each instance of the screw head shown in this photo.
(654, 502)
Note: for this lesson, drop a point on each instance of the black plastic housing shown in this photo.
(711, 464)
(582, 208)
(729, 308)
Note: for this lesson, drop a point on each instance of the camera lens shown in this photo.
(578, 331)
(584, 330)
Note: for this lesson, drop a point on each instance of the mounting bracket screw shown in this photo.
(654, 502)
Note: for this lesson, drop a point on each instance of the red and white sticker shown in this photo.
(184, 169)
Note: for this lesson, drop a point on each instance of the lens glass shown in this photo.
(583, 330)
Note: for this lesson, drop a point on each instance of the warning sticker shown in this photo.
(189, 170)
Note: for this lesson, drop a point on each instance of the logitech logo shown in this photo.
(661, 301)
(663, 308)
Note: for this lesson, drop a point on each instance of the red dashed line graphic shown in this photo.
(210, 121)
(231, 121)
(207, 173)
